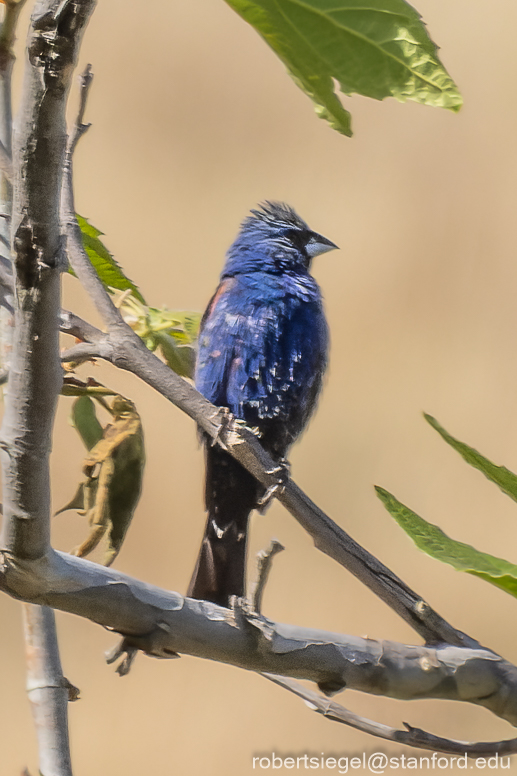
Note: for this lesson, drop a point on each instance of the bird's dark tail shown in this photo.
(231, 494)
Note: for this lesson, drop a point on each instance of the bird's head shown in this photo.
(274, 239)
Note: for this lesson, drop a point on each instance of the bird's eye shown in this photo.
(296, 237)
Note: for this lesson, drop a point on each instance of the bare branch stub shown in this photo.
(70, 323)
(127, 652)
(264, 564)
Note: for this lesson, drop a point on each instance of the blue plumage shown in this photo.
(262, 353)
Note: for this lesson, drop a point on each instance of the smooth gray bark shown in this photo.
(35, 374)
(163, 623)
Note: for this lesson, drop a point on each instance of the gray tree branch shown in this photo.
(48, 691)
(410, 736)
(70, 323)
(46, 687)
(34, 370)
(36, 376)
(164, 624)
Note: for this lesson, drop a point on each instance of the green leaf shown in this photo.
(500, 475)
(108, 270)
(376, 48)
(463, 557)
(190, 321)
(84, 419)
(177, 342)
(180, 358)
(173, 333)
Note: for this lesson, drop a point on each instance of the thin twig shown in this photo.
(88, 351)
(88, 277)
(79, 127)
(412, 736)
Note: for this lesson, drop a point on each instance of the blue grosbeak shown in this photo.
(262, 354)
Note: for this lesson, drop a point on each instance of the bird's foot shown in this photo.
(227, 425)
(223, 418)
(282, 472)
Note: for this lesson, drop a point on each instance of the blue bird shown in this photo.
(262, 353)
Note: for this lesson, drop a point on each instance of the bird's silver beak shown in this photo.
(318, 245)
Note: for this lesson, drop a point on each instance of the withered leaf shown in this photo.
(112, 484)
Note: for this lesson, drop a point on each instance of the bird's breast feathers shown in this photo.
(263, 346)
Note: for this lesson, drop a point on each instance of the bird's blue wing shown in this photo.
(262, 353)
(217, 344)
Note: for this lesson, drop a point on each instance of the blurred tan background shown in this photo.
(194, 122)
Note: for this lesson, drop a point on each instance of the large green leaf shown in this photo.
(377, 48)
(108, 270)
(463, 557)
(502, 476)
